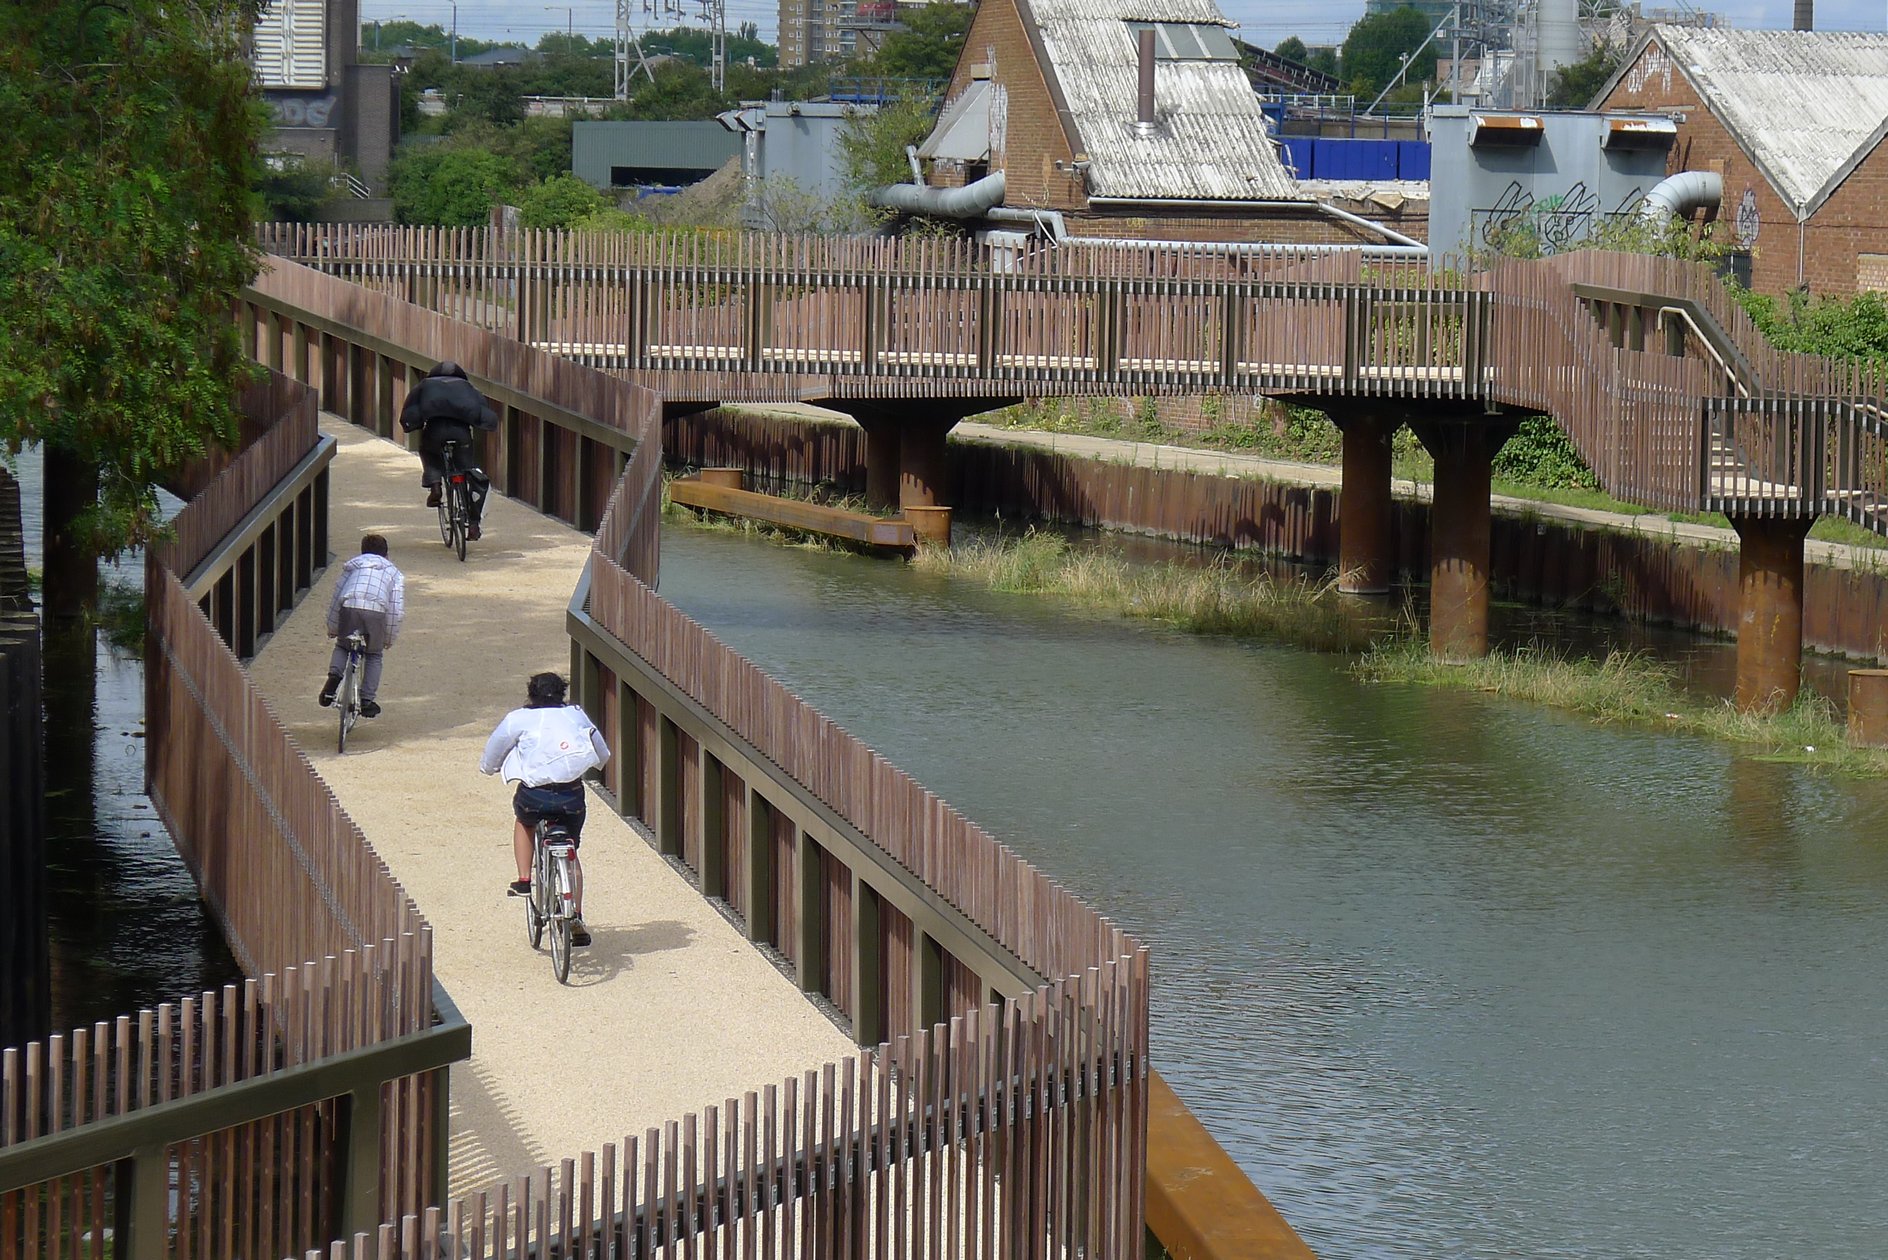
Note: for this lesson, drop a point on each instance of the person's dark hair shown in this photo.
(373, 545)
(546, 691)
(447, 367)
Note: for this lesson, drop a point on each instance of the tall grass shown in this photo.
(1222, 598)
(1628, 687)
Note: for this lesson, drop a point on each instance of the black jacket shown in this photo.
(448, 398)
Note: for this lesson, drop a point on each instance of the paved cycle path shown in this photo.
(670, 1009)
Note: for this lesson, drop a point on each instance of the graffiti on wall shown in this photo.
(1653, 67)
(302, 111)
(1745, 220)
(1554, 221)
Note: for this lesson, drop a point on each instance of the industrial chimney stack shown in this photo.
(1805, 16)
(1144, 114)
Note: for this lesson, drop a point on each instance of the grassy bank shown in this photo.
(1631, 688)
(1224, 598)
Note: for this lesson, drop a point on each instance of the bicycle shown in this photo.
(552, 902)
(347, 696)
(455, 499)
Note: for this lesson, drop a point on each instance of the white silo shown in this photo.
(1559, 42)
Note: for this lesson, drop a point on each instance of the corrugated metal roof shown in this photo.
(1209, 142)
(1806, 105)
(963, 130)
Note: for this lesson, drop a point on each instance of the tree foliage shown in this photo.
(128, 134)
(293, 189)
(1377, 44)
(1575, 85)
(450, 186)
(562, 201)
(928, 44)
(873, 142)
(1291, 48)
(1847, 328)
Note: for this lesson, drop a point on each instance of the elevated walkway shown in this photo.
(671, 1009)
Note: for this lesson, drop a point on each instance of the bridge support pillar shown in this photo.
(1770, 611)
(1364, 554)
(881, 462)
(1459, 532)
(921, 463)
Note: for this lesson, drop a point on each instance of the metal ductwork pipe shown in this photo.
(1681, 194)
(1805, 19)
(966, 202)
(1144, 98)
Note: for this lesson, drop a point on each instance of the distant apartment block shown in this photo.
(327, 107)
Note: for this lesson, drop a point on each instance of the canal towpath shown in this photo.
(670, 1009)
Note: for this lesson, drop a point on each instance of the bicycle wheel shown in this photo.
(461, 513)
(445, 516)
(347, 700)
(560, 948)
(534, 917)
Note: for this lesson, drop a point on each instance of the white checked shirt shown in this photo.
(372, 583)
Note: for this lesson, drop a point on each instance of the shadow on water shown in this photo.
(126, 929)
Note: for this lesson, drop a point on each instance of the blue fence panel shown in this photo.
(1297, 153)
(1412, 159)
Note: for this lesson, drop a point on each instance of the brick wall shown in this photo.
(1822, 253)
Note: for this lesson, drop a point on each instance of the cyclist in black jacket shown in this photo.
(446, 408)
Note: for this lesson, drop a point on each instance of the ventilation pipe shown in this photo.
(1144, 112)
(1805, 19)
(1681, 194)
(966, 202)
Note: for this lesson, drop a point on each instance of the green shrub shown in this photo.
(1541, 454)
(563, 201)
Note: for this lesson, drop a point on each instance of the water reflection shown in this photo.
(1450, 975)
(126, 929)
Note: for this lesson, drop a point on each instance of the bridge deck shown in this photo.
(670, 1009)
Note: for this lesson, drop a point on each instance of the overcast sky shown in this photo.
(1262, 22)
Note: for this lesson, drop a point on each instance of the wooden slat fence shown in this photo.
(340, 960)
(737, 317)
(754, 317)
(999, 1127)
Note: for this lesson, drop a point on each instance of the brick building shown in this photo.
(1047, 92)
(328, 107)
(1793, 121)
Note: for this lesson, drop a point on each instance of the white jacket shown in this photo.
(555, 744)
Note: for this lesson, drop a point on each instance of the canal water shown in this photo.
(1448, 975)
(126, 930)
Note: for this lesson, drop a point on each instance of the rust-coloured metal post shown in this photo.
(930, 524)
(1868, 707)
(921, 463)
(1459, 536)
(1364, 555)
(1770, 611)
(881, 463)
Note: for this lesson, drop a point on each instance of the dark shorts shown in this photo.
(562, 801)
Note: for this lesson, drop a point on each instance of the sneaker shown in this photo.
(326, 697)
(579, 934)
(369, 709)
(472, 533)
(432, 497)
(518, 888)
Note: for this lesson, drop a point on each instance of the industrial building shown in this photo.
(649, 154)
(328, 107)
(1791, 124)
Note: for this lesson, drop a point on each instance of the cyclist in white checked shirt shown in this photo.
(370, 598)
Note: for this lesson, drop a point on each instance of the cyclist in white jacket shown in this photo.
(546, 747)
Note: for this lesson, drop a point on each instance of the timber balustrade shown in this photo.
(1001, 1108)
(310, 1100)
(1666, 387)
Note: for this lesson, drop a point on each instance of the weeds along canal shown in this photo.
(1450, 975)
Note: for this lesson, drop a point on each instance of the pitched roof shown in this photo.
(1807, 106)
(1209, 141)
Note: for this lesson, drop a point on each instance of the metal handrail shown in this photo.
(1705, 338)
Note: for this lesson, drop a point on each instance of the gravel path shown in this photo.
(670, 1010)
